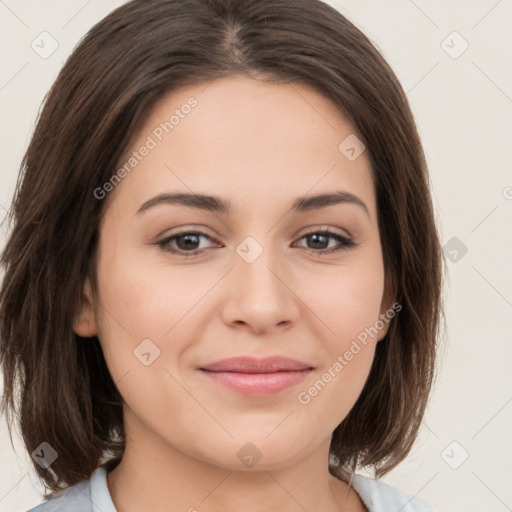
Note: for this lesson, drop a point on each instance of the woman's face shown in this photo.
(260, 278)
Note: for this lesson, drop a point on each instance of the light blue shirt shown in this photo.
(93, 496)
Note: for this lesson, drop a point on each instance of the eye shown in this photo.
(185, 243)
(188, 243)
(319, 241)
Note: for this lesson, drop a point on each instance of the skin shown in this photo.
(260, 146)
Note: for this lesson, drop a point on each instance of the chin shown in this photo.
(252, 453)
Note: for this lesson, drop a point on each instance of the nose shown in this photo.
(259, 298)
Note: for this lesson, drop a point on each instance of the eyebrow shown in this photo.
(218, 205)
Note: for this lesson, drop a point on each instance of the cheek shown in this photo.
(141, 300)
(351, 311)
(144, 298)
(130, 309)
(329, 397)
(345, 299)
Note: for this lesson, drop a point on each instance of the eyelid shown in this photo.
(193, 228)
(338, 231)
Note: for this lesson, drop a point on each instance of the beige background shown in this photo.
(463, 107)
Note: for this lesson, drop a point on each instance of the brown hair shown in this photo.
(57, 384)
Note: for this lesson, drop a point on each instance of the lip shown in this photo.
(248, 364)
(257, 377)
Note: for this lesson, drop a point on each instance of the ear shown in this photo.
(387, 306)
(84, 321)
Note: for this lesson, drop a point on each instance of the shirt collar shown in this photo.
(100, 495)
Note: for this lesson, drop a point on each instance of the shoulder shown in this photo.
(87, 496)
(378, 496)
(76, 498)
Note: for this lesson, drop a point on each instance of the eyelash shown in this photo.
(345, 243)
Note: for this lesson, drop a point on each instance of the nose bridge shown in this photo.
(259, 296)
(256, 266)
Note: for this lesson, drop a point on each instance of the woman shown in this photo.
(222, 286)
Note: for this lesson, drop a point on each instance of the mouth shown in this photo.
(257, 377)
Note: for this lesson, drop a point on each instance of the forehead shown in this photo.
(244, 139)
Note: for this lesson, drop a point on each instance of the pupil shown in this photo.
(315, 238)
(190, 241)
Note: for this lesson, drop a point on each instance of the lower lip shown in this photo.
(258, 384)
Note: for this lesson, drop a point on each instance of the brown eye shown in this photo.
(318, 241)
(186, 243)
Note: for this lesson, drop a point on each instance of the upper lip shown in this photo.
(247, 364)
